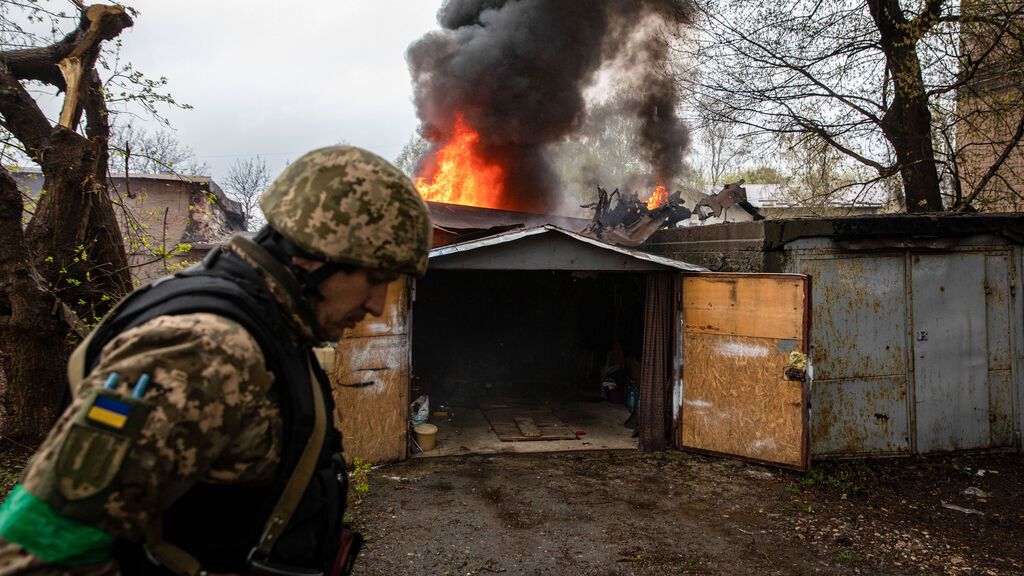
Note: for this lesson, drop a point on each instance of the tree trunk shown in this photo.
(70, 255)
(907, 123)
(33, 341)
(68, 264)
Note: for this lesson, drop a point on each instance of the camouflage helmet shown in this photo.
(349, 206)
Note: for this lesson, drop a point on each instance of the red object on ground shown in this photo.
(581, 433)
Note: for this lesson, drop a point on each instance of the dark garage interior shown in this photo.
(547, 360)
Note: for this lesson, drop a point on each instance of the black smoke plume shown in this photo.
(516, 70)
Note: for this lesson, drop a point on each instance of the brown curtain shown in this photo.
(655, 418)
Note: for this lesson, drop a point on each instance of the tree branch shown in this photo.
(883, 171)
(98, 23)
(994, 168)
(74, 54)
(22, 115)
(928, 17)
(104, 23)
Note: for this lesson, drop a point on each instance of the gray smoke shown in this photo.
(517, 70)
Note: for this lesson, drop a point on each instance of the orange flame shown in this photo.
(462, 176)
(658, 198)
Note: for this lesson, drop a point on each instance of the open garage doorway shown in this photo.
(529, 361)
(539, 335)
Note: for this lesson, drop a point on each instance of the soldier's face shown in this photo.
(348, 298)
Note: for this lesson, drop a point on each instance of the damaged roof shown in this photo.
(549, 247)
(452, 217)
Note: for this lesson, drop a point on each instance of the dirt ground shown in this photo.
(605, 513)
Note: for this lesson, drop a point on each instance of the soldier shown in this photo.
(199, 438)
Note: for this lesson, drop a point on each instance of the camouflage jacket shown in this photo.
(212, 417)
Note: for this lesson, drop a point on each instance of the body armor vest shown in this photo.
(220, 524)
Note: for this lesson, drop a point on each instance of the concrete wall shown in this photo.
(732, 247)
(163, 215)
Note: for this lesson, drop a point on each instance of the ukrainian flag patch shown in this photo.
(109, 412)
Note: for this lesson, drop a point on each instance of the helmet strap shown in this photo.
(317, 277)
(283, 250)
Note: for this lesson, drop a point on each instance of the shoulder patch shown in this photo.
(96, 445)
(110, 412)
(89, 459)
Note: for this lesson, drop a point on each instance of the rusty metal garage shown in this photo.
(916, 327)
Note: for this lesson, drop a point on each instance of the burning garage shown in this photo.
(523, 339)
(539, 338)
(533, 331)
(538, 334)
(912, 334)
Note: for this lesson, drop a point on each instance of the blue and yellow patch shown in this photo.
(109, 412)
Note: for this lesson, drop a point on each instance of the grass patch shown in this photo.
(8, 478)
(360, 481)
(844, 478)
(847, 557)
(961, 470)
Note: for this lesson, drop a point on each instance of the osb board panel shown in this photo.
(370, 383)
(395, 316)
(736, 399)
(752, 306)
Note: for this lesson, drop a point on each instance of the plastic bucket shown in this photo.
(426, 436)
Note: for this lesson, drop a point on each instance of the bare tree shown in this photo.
(864, 77)
(721, 151)
(409, 158)
(245, 183)
(133, 149)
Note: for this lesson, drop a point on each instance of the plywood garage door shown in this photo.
(370, 382)
(740, 330)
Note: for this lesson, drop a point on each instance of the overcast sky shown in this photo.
(276, 79)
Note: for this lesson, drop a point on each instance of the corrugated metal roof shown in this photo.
(518, 234)
(459, 217)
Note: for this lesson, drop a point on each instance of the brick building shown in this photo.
(167, 221)
(990, 106)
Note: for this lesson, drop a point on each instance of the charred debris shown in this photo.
(625, 220)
